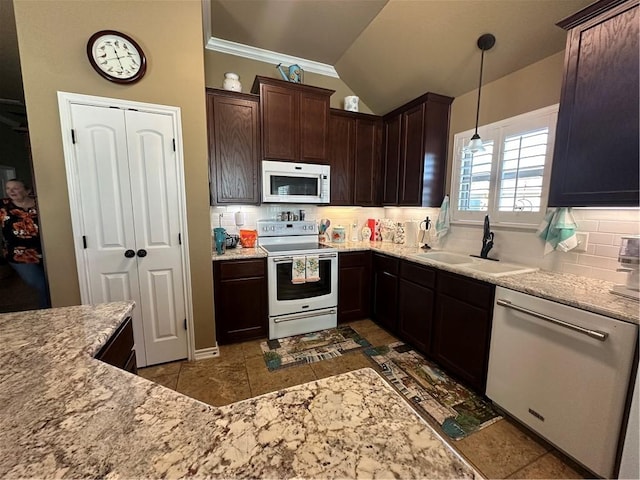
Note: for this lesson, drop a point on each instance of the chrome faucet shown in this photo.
(487, 239)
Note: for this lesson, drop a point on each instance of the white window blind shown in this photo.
(509, 180)
(522, 172)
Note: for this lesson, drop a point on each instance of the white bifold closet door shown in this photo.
(128, 177)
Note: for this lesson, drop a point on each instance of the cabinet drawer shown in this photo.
(468, 290)
(229, 270)
(385, 263)
(118, 349)
(418, 274)
(353, 259)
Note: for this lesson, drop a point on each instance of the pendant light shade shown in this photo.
(485, 42)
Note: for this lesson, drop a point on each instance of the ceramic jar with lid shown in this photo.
(232, 82)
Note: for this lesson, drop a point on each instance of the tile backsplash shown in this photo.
(603, 228)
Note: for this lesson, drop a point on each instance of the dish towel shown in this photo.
(558, 230)
(298, 269)
(312, 268)
(444, 219)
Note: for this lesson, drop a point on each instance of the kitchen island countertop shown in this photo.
(66, 414)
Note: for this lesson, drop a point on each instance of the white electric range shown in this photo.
(299, 303)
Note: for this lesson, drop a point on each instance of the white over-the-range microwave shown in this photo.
(290, 182)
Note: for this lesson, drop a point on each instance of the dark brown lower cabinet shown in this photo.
(385, 291)
(462, 328)
(416, 299)
(240, 299)
(354, 285)
(118, 351)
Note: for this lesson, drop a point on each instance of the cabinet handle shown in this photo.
(129, 254)
(141, 253)
(601, 336)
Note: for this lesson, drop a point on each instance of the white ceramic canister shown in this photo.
(351, 103)
(232, 82)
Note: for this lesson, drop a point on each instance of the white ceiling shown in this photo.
(391, 51)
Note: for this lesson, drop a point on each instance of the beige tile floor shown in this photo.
(502, 450)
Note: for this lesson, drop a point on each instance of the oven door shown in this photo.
(286, 297)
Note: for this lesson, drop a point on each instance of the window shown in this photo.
(509, 181)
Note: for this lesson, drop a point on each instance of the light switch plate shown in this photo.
(583, 241)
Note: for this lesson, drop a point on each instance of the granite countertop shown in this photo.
(66, 414)
(586, 293)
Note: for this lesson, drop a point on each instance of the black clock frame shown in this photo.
(102, 73)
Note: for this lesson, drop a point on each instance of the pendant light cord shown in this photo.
(479, 90)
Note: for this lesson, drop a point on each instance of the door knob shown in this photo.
(142, 252)
(129, 254)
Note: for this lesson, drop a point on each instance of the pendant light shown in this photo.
(485, 42)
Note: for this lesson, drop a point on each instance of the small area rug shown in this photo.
(311, 347)
(455, 408)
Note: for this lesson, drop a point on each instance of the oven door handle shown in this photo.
(323, 256)
(315, 313)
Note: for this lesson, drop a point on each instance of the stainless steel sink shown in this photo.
(449, 258)
(498, 269)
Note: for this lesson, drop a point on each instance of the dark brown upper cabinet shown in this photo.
(416, 137)
(294, 119)
(595, 161)
(354, 144)
(234, 147)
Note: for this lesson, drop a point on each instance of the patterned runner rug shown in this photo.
(457, 409)
(311, 347)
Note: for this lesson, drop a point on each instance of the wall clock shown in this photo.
(116, 56)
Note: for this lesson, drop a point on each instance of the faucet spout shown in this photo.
(487, 238)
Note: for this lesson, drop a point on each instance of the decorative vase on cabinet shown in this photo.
(232, 82)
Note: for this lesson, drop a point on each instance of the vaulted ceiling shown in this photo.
(390, 51)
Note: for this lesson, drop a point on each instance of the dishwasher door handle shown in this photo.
(602, 336)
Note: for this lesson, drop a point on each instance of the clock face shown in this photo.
(116, 56)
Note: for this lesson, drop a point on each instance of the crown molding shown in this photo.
(267, 56)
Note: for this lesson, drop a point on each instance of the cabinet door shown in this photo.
(314, 127)
(354, 286)
(234, 139)
(411, 163)
(280, 114)
(367, 162)
(385, 291)
(240, 300)
(462, 327)
(416, 300)
(392, 151)
(596, 160)
(342, 151)
(415, 313)
(461, 334)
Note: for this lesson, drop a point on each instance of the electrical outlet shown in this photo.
(583, 241)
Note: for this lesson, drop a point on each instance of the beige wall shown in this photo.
(52, 38)
(216, 64)
(530, 88)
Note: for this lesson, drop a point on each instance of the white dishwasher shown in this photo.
(563, 372)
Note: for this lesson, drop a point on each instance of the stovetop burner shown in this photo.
(290, 238)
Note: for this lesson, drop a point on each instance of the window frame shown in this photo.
(498, 131)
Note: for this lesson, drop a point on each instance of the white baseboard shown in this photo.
(209, 352)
